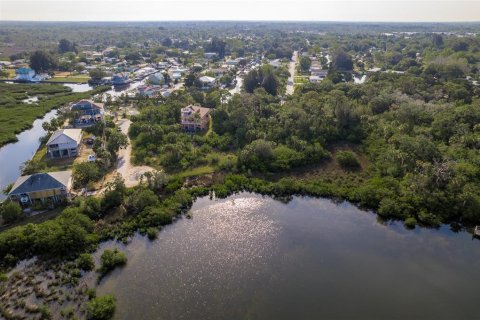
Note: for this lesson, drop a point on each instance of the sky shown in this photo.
(208, 10)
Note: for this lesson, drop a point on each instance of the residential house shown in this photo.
(207, 82)
(157, 78)
(42, 187)
(232, 62)
(25, 74)
(64, 143)
(219, 72)
(315, 79)
(195, 118)
(149, 91)
(210, 55)
(275, 63)
(120, 79)
(87, 112)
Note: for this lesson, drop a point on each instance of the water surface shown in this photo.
(13, 155)
(252, 257)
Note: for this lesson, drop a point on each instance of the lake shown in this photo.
(252, 257)
(13, 155)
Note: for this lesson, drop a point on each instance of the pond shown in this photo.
(252, 257)
(13, 155)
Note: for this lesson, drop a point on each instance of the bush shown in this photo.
(410, 222)
(11, 212)
(85, 262)
(111, 259)
(152, 233)
(347, 160)
(101, 308)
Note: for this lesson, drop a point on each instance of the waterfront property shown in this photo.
(87, 112)
(25, 75)
(64, 143)
(42, 187)
(195, 118)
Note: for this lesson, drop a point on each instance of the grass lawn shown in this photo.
(11, 74)
(300, 79)
(197, 171)
(73, 79)
(60, 164)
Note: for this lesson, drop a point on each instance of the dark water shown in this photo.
(251, 257)
(13, 155)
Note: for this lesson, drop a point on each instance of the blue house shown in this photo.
(87, 112)
(120, 79)
(25, 74)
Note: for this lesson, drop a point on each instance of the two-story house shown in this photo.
(64, 143)
(87, 112)
(195, 118)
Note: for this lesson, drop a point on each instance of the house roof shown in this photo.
(207, 79)
(190, 109)
(73, 134)
(41, 181)
(24, 70)
(86, 104)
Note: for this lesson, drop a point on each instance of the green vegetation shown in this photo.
(111, 259)
(69, 234)
(11, 212)
(85, 262)
(101, 308)
(403, 143)
(347, 160)
(16, 116)
(267, 78)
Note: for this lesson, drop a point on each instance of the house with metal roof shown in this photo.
(195, 118)
(207, 82)
(50, 186)
(87, 112)
(64, 143)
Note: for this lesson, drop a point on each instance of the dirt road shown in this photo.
(292, 69)
(130, 173)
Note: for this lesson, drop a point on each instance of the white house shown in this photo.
(64, 143)
(149, 91)
(210, 55)
(207, 82)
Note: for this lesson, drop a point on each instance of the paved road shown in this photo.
(238, 87)
(292, 69)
